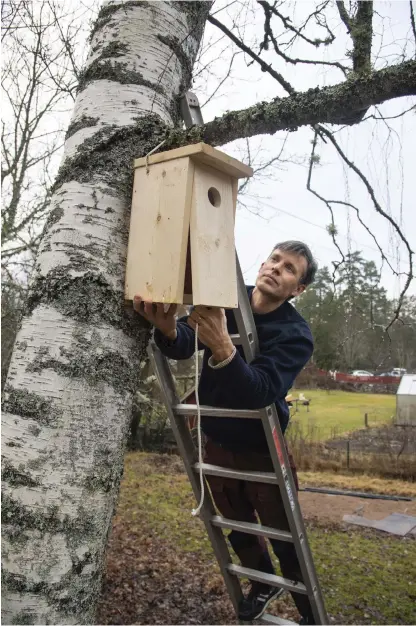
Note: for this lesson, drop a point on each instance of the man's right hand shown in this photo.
(155, 314)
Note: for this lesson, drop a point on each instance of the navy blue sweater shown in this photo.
(286, 345)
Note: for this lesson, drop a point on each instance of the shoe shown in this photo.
(306, 621)
(257, 602)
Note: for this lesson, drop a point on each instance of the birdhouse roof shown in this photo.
(204, 154)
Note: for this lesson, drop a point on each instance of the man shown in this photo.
(227, 381)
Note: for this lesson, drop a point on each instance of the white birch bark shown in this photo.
(75, 364)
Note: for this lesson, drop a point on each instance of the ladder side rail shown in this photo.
(188, 453)
(248, 338)
(277, 449)
(290, 500)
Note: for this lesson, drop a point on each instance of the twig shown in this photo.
(265, 67)
(268, 34)
(412, 19)
(320, 129)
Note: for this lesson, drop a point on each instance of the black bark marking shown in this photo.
(117, 72)
(28, 404)
(83, 122)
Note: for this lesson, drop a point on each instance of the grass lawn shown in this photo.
(338, 412)
(366, 577)
(358, 482)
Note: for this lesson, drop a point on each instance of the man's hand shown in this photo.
(212, 330)
(156, 315)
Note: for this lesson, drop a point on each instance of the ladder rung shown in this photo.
(272, 619)
(270, 579)
(216, 470)
(236, 339)
(252, 529)
(191, 409)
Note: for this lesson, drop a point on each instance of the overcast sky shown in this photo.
(385, 155)
(280, 205)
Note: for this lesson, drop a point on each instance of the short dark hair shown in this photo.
(298, 247)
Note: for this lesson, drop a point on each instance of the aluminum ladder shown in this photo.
(282, 476)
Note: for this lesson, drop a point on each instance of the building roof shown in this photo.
(407, 385)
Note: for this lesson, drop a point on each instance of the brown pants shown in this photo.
(240, 500)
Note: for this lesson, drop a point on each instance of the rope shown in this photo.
(159, 145)
(201, 475)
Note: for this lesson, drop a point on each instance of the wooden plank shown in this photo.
(214, 276)
(202, 153)
(159, 228)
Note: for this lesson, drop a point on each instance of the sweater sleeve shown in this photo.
(268, 377)
(183, 347)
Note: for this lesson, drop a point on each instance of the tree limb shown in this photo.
(412, 19)
(323, 131)
(319, 105)
(343, 13)
(265, 67)
(298, 31)
(360, 28)
(268, 34)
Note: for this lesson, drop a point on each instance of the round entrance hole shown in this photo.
(214, 196)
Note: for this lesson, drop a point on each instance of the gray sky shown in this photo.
(385, 155)
(280, 206)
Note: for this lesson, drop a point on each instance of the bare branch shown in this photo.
(383, 118)
(412, 19)
(323, 131)
(261, 167)
(268, 34)
(298, 31)
(343, 13)
(265, 67)
(331, 229)
(362, 34)
(39, 57)
(222, 81)
(325, 105)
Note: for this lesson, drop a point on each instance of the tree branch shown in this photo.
(360, 28)
(323, 131)
(268, 34)
(325, 105)
(412, 19)
(362, 35)
(331, 229)
(298, 31)
(265, 67)
(343, 13)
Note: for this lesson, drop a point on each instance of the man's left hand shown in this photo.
(212, 330)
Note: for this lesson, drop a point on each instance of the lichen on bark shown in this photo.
(83, 122)
(28, 404)
(121, 145)
(117, 72)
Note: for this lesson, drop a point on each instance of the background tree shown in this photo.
(348, 314)
(42, 57)
(74, 369)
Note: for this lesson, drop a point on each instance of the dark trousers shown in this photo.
(240, 500)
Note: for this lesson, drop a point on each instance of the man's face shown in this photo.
(279, 277)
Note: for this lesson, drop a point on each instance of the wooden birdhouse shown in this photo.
(181, 242)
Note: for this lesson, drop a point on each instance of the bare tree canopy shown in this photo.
(41, 65)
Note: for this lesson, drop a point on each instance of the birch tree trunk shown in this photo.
(75, 364)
